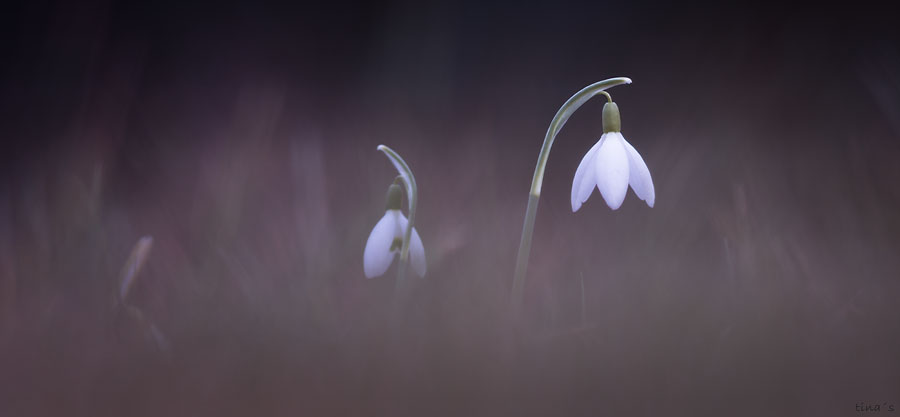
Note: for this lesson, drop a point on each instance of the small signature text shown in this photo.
(862, 407)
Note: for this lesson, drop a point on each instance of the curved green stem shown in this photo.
(556, 125)
(409, 181)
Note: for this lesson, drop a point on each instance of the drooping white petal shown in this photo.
(611, 164)
(416, 249)
(377, 256)
(584, 182)
(639, 175)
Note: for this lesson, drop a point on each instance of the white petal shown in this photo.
(417, 254)
(584, 182)
(639, 175)
(377, 257)
(416, 249)
(611, 164)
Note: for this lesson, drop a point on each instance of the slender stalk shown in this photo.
(404, 262)
(409, 182)
(534, 195)
(583, 314)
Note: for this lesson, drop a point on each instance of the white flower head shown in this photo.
(611, 165)
(386, 240)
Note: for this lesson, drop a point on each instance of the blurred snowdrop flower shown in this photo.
(611, 165)
(386, 240)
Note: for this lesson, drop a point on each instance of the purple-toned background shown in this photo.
(242, 138)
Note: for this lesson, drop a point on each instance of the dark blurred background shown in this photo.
(241, 137)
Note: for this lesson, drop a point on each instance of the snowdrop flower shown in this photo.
(584, 175)
(386, 240)
(611, 165)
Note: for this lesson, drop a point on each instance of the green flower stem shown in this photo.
(556, 125)
(409, 181)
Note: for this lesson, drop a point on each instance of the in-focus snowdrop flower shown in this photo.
(386, 240)
(611, 165)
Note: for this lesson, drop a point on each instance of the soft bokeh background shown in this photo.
(242, 138)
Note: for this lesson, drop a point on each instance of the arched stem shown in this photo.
(556, 125)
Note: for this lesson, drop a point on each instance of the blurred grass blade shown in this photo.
(133, 266)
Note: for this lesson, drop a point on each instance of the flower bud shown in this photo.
(394, 198)
(612, 122)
